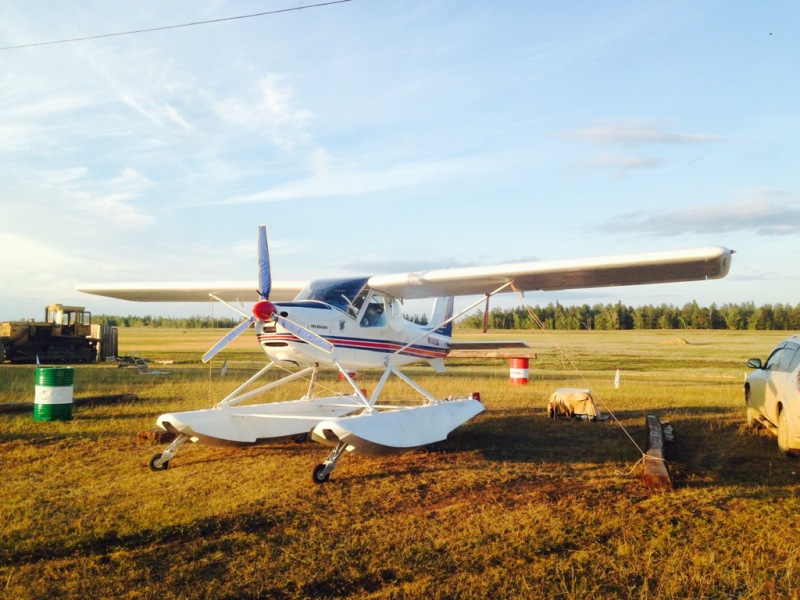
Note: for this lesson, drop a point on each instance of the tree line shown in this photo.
(195, 322)
(746, 316)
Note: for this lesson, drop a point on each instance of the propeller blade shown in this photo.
(304, 334)
(229, 337)
(264, 275)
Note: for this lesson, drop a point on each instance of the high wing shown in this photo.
(711, 262)
(230, 291)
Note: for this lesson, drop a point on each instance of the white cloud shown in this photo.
(623, 162)
(444, 116)
(622, 165)
(371, 265)
(64, 176)
(632, 134)
(636, 133)
(27, 263)
(329, 178)
(119, 209)
(93, 202)
(174, 115)
(270, 108)
(766, 212)
(115, 200)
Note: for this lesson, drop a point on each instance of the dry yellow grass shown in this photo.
(514, 505)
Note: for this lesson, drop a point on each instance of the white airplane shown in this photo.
(357, 323)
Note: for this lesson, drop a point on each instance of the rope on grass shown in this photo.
(636, 464)
(566, 358)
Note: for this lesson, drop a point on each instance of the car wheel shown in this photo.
(752, 418)
(752, 414)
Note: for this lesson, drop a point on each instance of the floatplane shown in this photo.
(357, 323)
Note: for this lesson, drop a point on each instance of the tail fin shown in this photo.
(442, 311)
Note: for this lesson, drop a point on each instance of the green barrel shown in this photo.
(53, 401)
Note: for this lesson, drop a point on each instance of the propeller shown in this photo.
(264, 275)
(264, 310)
(229, 337)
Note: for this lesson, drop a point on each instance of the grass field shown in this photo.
(513, 505)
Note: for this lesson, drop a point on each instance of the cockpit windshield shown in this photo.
(339, 293)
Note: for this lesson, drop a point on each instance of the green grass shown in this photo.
(513, 505)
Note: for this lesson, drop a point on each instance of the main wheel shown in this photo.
(162, 467)
(319, 475)
(783, 432)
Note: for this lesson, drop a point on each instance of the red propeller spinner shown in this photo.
(263, 310)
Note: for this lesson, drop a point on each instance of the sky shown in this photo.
(384, 137)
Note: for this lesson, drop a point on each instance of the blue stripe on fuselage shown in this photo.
(371, 345)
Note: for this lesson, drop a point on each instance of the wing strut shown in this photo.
(229, 305)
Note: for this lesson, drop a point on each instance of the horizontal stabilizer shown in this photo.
(489, 345)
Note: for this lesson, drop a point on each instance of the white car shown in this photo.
(772, 394)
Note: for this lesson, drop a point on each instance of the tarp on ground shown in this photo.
(572, 403)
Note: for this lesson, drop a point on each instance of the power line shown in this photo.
(165, 27)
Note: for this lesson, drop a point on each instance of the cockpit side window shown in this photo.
(375, 312)
(358, 301)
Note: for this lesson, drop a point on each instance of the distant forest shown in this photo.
(745, 316)
(778, 317)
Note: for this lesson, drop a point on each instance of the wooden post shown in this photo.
(655, 473)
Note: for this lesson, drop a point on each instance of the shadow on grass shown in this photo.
(252, 520)
(527, 436)
(712, 446)
(48, 432)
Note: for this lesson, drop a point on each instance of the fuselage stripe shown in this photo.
(361, 344)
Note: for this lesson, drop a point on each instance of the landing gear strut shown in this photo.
(160, 462)
(322, 472)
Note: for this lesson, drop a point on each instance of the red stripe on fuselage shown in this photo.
(361, 344)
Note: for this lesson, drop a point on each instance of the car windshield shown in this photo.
(775, 359)
(788, 357)
(340, 293)
(795, 361)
